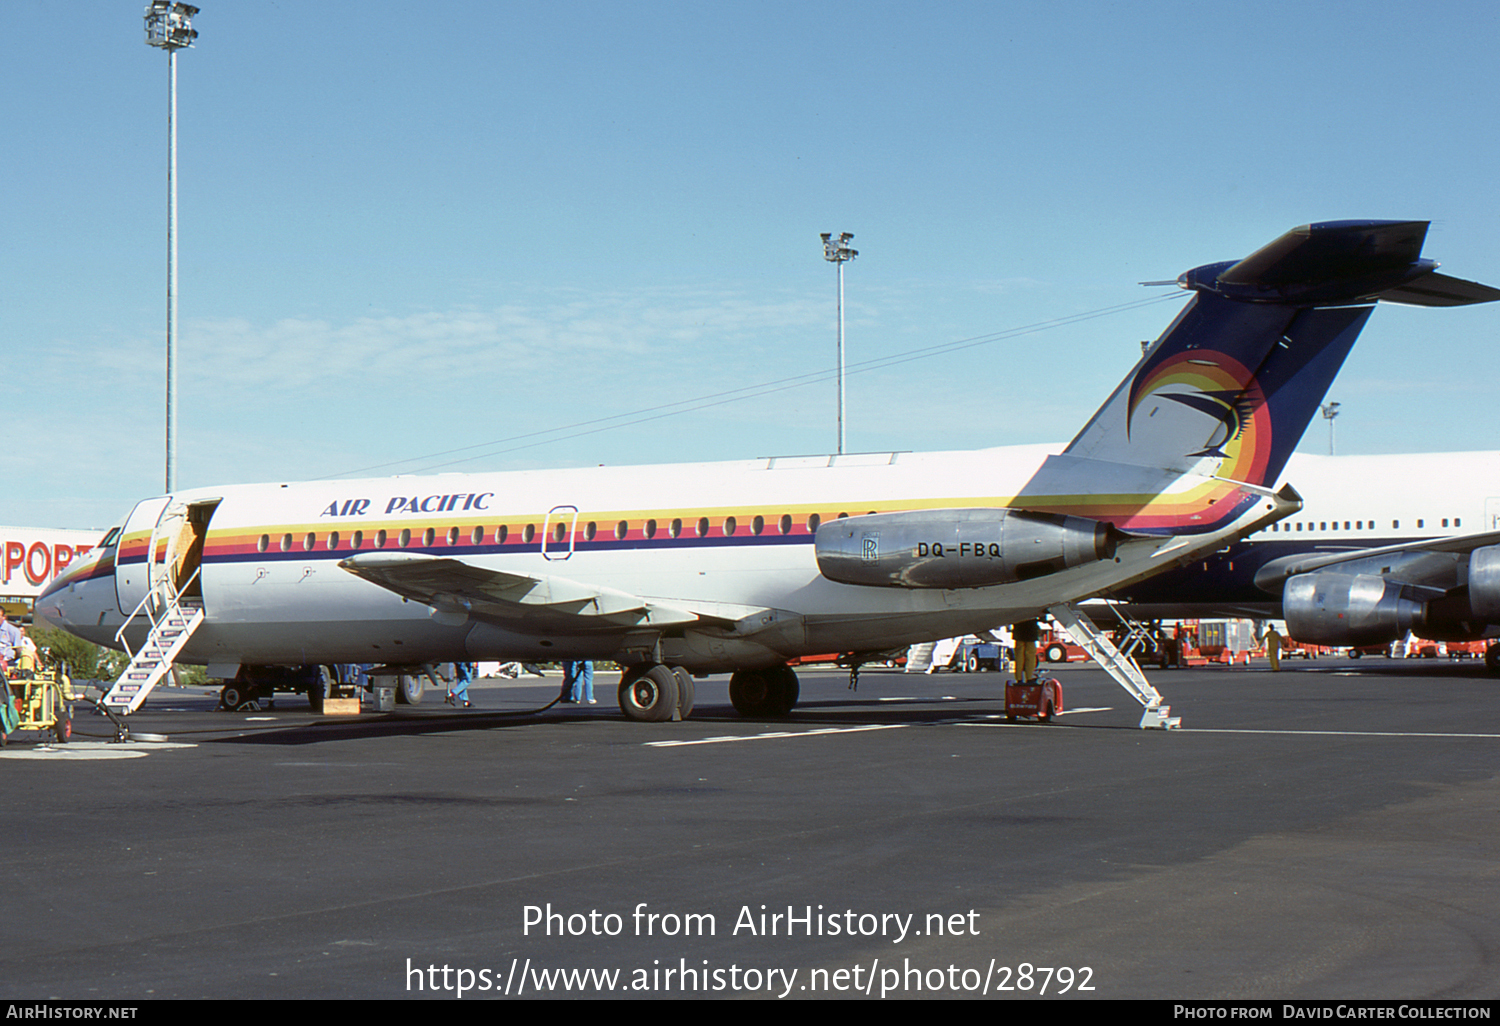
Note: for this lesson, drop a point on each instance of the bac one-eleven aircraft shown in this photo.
(737, 567)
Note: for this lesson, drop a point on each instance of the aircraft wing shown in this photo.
(1429, 563)
(457, 591)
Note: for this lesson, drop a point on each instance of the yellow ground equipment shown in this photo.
(42, 701)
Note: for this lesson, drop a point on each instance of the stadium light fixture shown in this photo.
(837, 251)
(169, 26)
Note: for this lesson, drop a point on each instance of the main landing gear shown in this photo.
(654, 693)
(769, 692)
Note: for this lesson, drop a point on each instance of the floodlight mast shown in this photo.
(837, 251)
(1330, 411)
(169, 26)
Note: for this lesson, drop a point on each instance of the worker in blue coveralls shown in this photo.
(463, 676)
(578, 682)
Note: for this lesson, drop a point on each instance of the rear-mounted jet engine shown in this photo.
(957, 548)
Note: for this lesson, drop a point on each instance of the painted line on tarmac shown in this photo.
(74, 751)
(1330, 733)
(775, 734)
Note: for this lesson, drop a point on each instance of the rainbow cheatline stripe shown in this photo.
(1222, 388)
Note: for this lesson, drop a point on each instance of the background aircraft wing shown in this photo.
(1431, 563)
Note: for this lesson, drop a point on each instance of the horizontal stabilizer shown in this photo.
(1440, 290)
(1331, 249)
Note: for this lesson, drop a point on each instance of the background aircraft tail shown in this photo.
(1228, 390)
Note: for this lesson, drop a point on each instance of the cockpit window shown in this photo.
(112, 538)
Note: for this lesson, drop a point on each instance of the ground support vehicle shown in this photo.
(1039, 699)
(44, 701)
(974, 656)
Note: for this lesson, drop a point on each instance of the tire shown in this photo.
(1355, 653)
(687, 692)
(649, 696)
(762, 693)
(785, 690)
(410, 689)
(317, 692)
(1056, 653)
(234, 694)
(971, 665)
(62, 722)
(750, 692)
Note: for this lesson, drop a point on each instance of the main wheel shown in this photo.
(1056, 653)
(234, 694)
(687, 692)
(650, 695)
(971, 665)
(769, 692)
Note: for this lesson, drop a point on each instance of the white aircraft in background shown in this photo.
(1382, 545)
(737, 567)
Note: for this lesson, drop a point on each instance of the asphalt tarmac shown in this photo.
(1328, 832)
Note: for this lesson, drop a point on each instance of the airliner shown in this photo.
(1383, 545)
(690, 569)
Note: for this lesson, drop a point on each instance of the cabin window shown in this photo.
(590, 530)
(786, 523)
(651, 529)
(477, 538)
(621, 530)
(1458, 522)
(501, 534)
(452, 536)
(264, 543)
(676, 529)
(333, 539)
(813, 522)
(1419, 524)
(757, 525)
(380, 539)
(286, 543)
(730, 526)
(529, 533)
(357, 539)
(1395, 525)
(310, 542)
(843, 516)
(703, 527)
(560, 532)
(405, 539)
(428, 537)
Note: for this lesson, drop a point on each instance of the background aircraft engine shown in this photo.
(1484, 583)
(957, 548)
(1328, 608)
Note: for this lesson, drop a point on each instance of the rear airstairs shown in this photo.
(1118, 665)
(174, 616)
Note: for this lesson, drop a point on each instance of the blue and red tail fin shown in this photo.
(1228, 390)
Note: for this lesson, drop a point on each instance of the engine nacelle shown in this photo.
(957, 548)
(1484, 583)
(1330, 608)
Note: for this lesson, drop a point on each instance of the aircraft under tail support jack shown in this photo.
(738, 567)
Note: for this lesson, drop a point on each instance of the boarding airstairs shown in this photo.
(173, 616)
(1118, 665)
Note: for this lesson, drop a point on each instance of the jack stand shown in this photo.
(1118, 665)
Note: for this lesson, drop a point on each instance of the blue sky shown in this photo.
(407, 228)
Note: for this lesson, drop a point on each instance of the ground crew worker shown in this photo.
(1024, 637)
(1273, 647)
